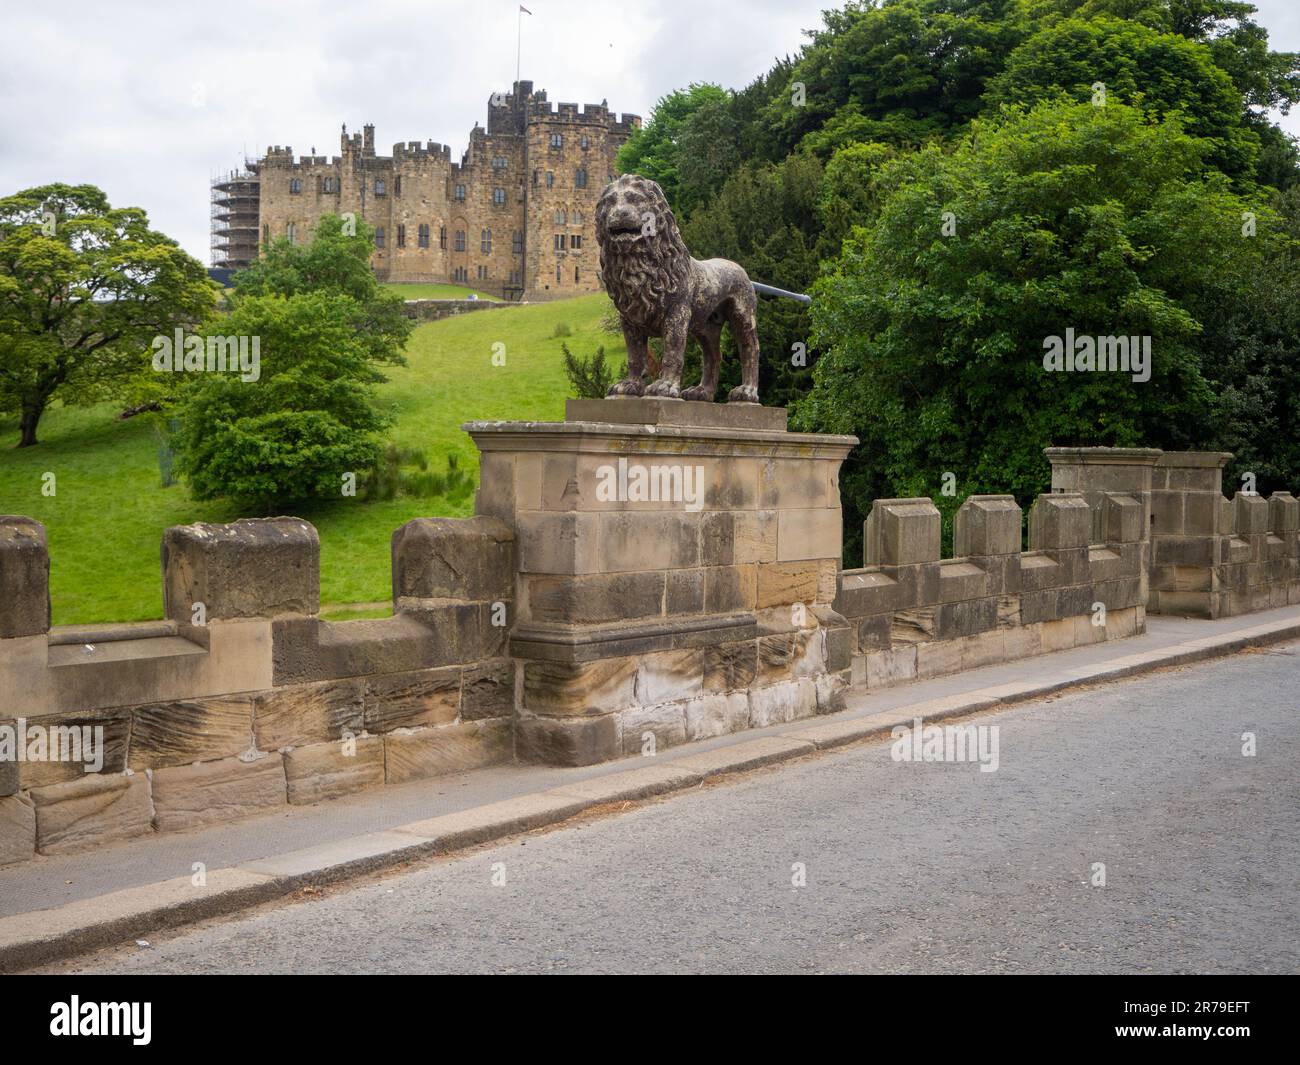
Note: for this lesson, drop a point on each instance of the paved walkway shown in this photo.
(49, 882)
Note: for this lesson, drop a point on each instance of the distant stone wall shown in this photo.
(436, 310)
(915, 615)
(243, 700)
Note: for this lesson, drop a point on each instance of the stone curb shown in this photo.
(90, 924)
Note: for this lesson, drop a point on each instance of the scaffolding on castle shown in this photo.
(235, 199)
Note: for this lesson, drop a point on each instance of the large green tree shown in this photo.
(84, 287)
(1101, 220)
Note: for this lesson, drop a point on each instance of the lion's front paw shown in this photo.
(699, 393)
(743, 394)
(667, 389)
(627, 387)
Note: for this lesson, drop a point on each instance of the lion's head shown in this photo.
(643, 259)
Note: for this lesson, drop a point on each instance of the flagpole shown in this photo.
(519, 42)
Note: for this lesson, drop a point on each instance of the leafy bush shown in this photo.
(590, 378)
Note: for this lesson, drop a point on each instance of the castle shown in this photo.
(515, 217)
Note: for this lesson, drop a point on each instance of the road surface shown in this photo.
(933, 867)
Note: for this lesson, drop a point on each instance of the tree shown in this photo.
(654, 151)
(84, 287)
(324, 326)
(336, 259)
(1100, 220)
(310, 417)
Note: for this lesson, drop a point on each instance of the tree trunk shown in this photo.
(27, 427)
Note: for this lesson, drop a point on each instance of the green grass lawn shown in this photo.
(105, 521)
(419, 291)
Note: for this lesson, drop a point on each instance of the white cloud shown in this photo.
(149, 100)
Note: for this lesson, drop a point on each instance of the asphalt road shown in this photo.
(933, 867)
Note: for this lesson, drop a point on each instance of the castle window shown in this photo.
(517, 243)
(498, 196)
(482, 273)
(550, 180)
(560, 217)
(379, 236)
(330, 185)
(401, 236)
(295, 186)
(586, 142)
(266, 234)
(579, 179)
(557, 141)
(460, 192)
(557, 273)
(575, 275)
(291, 231)
(485, 242)
(537, 178)
(397, 185)
(460, 240)
(380, 188)
(575, 241)
(442, 237)
(499, 162)
(559, 242)
(423, 237)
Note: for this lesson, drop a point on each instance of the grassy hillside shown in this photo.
(106, 519)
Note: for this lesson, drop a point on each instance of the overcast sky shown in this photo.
(150, 100)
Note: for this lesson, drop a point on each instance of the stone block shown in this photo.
(195, 730)
(92, 811)
(558, 543)
(1059, 634)
(670, 675)
(800, 653)
(807, 534)
(684, 591)
(987, 525)
(875, 633)
(596, 598)
(58, 747)
(730, 666)
(488, 690)
(17, 829)
(830, 692)
(251, 568)
(839, 647)
(718, 538)
(1060, 520)
(886, 668)
(206, 793)
(901, 532)
(579, 689)
(1283, 514)
(785, 583)
(716, 715)
(960, 580)
(793, 484)
(755, 534)
(307, 713)
(647, 540)
(966, 618)
(914, 625)
(1252, 514)
(567, 741)
(648, 729)
(866, 592)
(24, 578)
(938, 658)
(1121, 518)
(328, 770)
(433, 752)
(787, 701)
(453, 558)
(730, 589)
(417, 699)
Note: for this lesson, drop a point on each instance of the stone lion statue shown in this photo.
(660, 291)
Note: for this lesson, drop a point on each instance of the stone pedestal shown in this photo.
(676, 565)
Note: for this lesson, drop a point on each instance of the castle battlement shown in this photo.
(484, 218)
